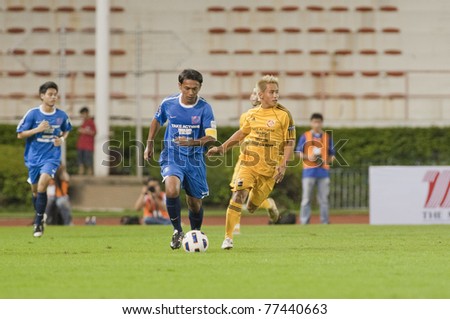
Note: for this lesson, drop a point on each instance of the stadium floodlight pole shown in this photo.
(138, 84)
(101, 154)
(62, 82)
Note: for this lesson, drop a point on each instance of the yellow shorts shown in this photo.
(259, 186)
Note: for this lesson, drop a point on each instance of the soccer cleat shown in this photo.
(177, 238)
(237, 229)
(38, 230)
(227, 243)
(274, 214)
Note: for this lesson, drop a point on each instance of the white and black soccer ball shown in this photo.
(195, 241)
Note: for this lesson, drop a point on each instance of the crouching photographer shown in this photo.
(152, 201)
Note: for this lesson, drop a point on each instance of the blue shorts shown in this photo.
(34, 172)
(192, 178)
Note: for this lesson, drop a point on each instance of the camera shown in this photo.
(151, 189)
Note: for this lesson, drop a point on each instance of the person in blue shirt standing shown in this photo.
(45, 129)
(191, 126)
(316, 150)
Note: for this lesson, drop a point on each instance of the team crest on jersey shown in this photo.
(195, 119)
(270, 123)
(59, 120)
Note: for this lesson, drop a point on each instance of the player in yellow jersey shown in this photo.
(268, 204)
(268, 135)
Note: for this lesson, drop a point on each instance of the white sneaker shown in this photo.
(227, 243)
(237, 229)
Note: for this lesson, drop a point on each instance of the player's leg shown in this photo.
(195, 212)
(323, 191)
(173, 186)
(260, 194)
(307, 192)
(233, 216)
(41, 203)
(272, 210)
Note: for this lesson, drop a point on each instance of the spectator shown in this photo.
(85, 143)
(315, 148)
(58, 209)
(153, 202)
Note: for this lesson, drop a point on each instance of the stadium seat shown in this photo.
(245, 73)
(267, 30)
(319, 74)
(291, 30)
(88, 30)
(215, 9)
(343, 52)
(217, 30)
(315, 8)
(88, 8)
(318, 52)
(371, 96)
(65, 9)
(42, 73)
(240, 9)
(89, 74)
(273, 72)
(341, 30)
(344, 73)
(295, 73)
(118, 96)
(289, 8)
(295, 96)
(265, 9)
(364, 9)
(118, 74)
(15, 30)
(18, 52)
(40, 8)
(117, 52)
(366, 30)
(222, 96)
(89, 52)
(41, 52)
(218, 51)
(395, 73)
(393, 52)
(17, 95)
(16, 73)
(293, 51)
(316, 30)
(15, 8)
(66, 52)
(220, 73)
(66, 29)
(242, 30)
(117, 30)
(339, 9)
(390, 30)
(396, 96)
(117, 9)
(268, 51)
(346, 96)
(40, 30)
(370, 73)
(388, 8)
(368, 52)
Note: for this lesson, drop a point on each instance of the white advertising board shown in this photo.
(409, 195)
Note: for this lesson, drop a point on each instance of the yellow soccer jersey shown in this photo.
(268, 130)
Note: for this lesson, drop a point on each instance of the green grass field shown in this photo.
(335, 261)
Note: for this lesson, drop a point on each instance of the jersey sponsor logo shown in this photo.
(270, 123)
(195, 119)
(438, 189)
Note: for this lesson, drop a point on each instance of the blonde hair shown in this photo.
(266, 79)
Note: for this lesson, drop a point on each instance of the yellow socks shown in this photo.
(233, 217)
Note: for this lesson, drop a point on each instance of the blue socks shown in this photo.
(174, 210)
(196, 219)
(40, 203)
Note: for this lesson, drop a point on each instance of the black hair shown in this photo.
(47, 85)
(316, 116)
(190, 74)
(84, 109)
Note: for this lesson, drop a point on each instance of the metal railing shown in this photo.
(349, 188)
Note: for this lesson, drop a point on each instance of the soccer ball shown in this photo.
(195, 241)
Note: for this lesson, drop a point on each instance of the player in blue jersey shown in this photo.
(190, 127)
(45, 129)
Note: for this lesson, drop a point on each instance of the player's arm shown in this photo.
(199, 142)
(61, 139)
(238, 136)
(154, 129)
(44, 125)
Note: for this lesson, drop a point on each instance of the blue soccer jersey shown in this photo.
(184, 122)
(39, 148)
